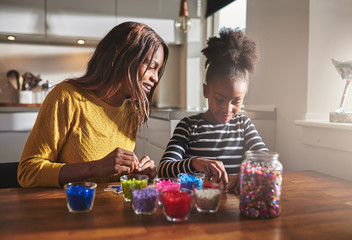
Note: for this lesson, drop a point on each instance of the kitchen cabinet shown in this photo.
(45, 21)
(15, 128)
(153, 138)
(22, 16)
(80, 18)
(158, 14)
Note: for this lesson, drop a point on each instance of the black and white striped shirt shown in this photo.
(196, 137)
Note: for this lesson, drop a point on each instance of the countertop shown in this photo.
(178, 114)
(159, 113)
(18, 107)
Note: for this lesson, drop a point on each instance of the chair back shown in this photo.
(8, 175)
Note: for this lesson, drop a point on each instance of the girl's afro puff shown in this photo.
(232, 47)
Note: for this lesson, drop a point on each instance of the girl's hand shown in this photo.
(211, 168)
(147, 167)
(119, 161)
(234, 186)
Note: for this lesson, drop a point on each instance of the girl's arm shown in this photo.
(252, 140)
(173, 161)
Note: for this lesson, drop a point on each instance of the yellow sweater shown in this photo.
(73, 126)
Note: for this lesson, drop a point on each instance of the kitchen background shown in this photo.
(294, 80)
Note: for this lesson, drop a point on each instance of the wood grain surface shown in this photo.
(314, 206)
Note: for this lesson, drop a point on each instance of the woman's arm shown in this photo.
(119, 161)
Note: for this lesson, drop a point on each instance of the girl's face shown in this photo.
(225, 99)
(151, 77)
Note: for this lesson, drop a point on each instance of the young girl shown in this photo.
(214, 142)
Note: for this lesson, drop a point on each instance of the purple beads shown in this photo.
(145, 200)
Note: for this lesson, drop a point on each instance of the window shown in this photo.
(233, 15)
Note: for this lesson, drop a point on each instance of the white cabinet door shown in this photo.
(80, 18)
(11, 145)
(139, 148)
(158, 14)
(22, 16)
(155, 153)
(164, 9)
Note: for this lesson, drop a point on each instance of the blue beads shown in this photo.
(79, 197)
(190, 180)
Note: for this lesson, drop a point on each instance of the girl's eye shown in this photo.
(236, 103)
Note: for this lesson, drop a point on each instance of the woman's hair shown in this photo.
(232, 55)
(119, 56)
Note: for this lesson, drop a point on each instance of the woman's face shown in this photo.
(225, 99)
(150, 77)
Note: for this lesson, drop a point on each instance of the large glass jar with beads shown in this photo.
(261, 179)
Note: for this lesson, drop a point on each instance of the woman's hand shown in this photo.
(212, 168)
(119, 161)
(147, 167)
(234, 186)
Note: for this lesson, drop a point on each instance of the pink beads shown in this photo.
(163, 184)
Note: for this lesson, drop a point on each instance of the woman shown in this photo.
(86, 127)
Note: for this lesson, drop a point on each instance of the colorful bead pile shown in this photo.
(79, 197)
(177, 205)
(190, 180)
(145, 200)
(126, 184)
(260, 190)
(166, 184)
(208, 197)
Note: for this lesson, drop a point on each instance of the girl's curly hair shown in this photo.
(233, 54)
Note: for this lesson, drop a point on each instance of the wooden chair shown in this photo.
(8, 175)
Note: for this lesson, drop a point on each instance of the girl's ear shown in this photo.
(205, 90)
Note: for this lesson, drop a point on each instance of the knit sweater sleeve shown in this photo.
(173, 161)
(39, 164)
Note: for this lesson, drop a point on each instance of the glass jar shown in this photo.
(261, 178)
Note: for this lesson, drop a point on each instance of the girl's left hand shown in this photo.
(146, 166)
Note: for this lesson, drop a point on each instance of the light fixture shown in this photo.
(11, 38)
(81, 41)
(183, 23)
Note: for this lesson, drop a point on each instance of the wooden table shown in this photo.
(314, 206)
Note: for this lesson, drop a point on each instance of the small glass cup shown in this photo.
(177, 205)
(190, 180)
(163, 184)
(140, 181)
(208, 197)
(144, 201)
(80, 196)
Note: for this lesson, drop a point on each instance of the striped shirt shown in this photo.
(196, 137)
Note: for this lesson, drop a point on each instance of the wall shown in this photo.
(280, 27)
(297, 40)
(56, 63)
(53, 63)
(330, 35)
